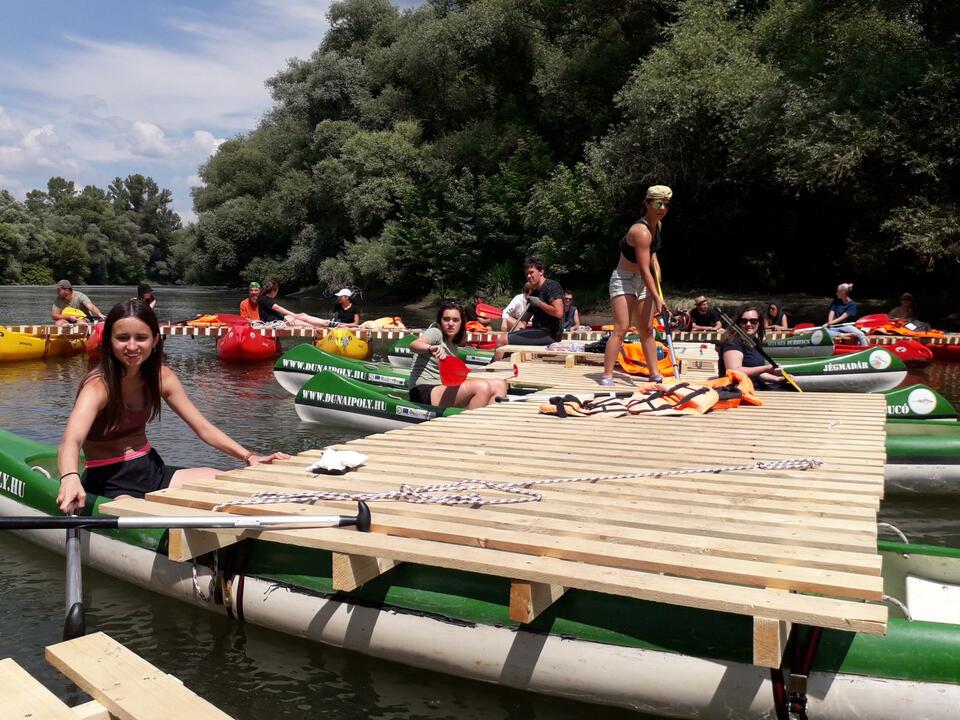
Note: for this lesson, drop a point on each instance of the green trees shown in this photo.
(121, 235)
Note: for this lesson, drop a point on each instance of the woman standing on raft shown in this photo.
(634, 283)
(436, 343)
(115, 402)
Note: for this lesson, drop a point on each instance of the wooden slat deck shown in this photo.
(732, 541)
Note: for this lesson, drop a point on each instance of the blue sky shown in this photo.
(93, 90)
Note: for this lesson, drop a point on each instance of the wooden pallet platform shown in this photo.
(122, 685)
(781, 546)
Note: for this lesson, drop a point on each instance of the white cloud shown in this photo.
(195, 181)
(206, 143)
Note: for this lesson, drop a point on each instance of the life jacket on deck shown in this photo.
(632, 361)
(384, 322)
(732, 389)
(665, 398)
(206, 321)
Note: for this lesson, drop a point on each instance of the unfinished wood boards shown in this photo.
(23, 697)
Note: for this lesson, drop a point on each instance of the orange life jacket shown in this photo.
(666, 398)
(477, 327)
(247, 311)
(206, 321)
(632, 361)
(733, 388)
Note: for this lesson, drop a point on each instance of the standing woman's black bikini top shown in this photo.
(630, 252)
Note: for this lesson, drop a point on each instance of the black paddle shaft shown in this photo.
(743, 336)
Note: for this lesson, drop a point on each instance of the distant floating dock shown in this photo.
(781, 546)
(175, 330)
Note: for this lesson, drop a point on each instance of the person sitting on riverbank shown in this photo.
(737, 354)
(345, 312)
(842, 313)
(545, 301)
(904, 311)
(775, 318)
(571, 316)
(67, 297)
(704, 317)
(434, 345)
(115, 402)
(250, 306)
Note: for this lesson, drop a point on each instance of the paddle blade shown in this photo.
(804, 326)
(877, 320)
(453, 371)
(488, 311)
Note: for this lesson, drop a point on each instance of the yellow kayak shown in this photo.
(341, 341)
(18, 346)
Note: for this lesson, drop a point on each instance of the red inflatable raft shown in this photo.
(914, 354)
(244, 344)
(94, 340)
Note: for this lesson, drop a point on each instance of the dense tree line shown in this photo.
(122, 235)
(807, 141)
(429, 149)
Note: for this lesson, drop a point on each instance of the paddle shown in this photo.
(753, 342)
(665, 321)
(74, 623)
(453, 371)
(488, 311)
(872, 321)
(240, 522)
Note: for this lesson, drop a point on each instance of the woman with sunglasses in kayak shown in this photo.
(115, 402)
(634, 284)
(737, 354)
(436, 343)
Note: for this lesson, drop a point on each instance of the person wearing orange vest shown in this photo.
(250, 307)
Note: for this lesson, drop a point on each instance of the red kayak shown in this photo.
(94, 340)
(950, 353)
(914, 354)
(244, 344)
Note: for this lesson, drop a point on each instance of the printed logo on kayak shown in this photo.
(387, 380)
(922, 401)
(346, 401)
(880, 359)
(418, 413)
(816, 337)
(11, 485)
(314, 368)
(844, 367)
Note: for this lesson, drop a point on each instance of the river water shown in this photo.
(247, 671)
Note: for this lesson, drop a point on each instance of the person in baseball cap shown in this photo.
(67, 297)
(345, 312)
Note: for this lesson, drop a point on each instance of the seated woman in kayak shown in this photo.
(775, 318)
(737, 354)
(842, 313)
(436, 343)
(115, 402)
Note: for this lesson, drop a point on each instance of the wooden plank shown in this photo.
(352, 571)
(528, 599)
(22, 696)
(769, 641)
(743, 600)
(127, 685)
(185, 544)
(90, 711)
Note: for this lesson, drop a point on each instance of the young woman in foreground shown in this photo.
(435, 344)
(115, 402)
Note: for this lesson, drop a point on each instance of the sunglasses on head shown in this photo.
(748, 321)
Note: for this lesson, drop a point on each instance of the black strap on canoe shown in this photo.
(790, 698)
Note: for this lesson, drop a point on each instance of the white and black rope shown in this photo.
(453, 493)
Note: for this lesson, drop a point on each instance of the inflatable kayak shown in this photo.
(245, 344)
(870, 370)
(913, 353)
(341, 341)
(923, 457)
(812, 344)
(301, 363)
(16, 346)
(329, 397)
(592, 647)
(400, 355)
(919, 402)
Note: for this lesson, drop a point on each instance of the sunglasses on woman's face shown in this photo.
(748, 321)
(660, 204)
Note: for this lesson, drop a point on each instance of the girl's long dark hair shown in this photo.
(112, 370)
(731, 335)
(449, 305)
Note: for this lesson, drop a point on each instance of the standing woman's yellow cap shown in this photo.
(659, 192)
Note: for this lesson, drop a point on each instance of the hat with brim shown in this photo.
(659, 192)
(64, 285)
(343, 293)
(699, 299)
(906, 296)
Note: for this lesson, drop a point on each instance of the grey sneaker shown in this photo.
(605, 381)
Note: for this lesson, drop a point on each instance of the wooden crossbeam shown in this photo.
(528, 599)
(352, 571)
(125, 684)
(184, 544)
(769, 641)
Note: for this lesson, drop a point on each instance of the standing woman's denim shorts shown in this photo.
(624, 282)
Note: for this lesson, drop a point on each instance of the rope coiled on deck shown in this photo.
(459, 493)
